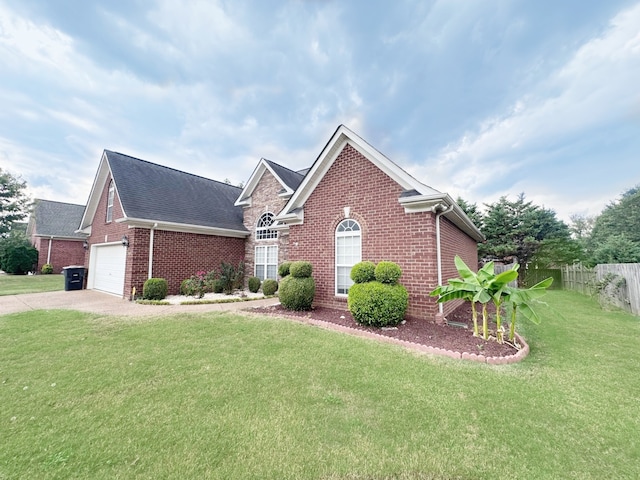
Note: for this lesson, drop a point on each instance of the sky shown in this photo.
(479, 99)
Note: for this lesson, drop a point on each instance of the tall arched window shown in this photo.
(263, 232)
(348, 253)
(111, 195)
(266, 256)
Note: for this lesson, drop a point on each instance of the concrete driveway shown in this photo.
(105, 304)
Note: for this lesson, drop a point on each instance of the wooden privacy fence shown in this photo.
(579, 278)
(620, 285)
(531, 276)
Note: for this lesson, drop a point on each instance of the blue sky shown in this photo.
(476, 99)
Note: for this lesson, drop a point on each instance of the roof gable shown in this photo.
(152, 193)
(56, 219)
(289, 180)
(416, 196)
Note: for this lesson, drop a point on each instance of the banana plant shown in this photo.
(498, 288)
(521, 299)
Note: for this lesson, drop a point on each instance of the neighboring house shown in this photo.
(353, 204)
(52, 230)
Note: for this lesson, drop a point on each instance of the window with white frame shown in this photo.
(266, 262)
(263, 232)
(348, 253)
(111, 195)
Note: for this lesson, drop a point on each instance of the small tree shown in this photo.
(17, 255)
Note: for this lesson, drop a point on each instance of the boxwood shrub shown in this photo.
(283, 269)
(300, 269)
(155, 289)
(269, 286)
(47, 269)
(363, 272)
(378, 304)
(254, 284)
(297, 293)
(388, 272)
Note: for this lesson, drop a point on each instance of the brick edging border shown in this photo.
(516, 357)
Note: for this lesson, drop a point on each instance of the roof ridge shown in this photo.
(58, 201)
(171, 168)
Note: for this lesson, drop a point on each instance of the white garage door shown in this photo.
(108, 266)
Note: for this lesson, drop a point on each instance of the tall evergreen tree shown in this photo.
(14, 202)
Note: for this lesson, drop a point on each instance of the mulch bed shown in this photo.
(420, 331)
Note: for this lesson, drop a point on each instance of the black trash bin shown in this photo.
(73, 277)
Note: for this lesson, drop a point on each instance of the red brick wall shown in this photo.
(388, 233)
(177, 256)
(63, 253)
(263, 199)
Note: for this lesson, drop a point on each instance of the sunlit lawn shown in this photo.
(17, 284)
(227, 396)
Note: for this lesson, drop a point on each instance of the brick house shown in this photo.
(52, 231)
(352, 204)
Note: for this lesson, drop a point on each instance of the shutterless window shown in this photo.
(348, 253)
(266, 262)
(263, 232)
(112, 192)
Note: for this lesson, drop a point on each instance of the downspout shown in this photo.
(439, 210)
(151, 232)
(49, 250)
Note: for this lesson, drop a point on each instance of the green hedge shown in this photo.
(254, 284)
(300, 269)
(363, 272)
(269, 286)
(388, 272)
(155, 289)
(283, 269)
(378, 304)
(297, 293)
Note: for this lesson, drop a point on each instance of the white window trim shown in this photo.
(335, 260)
(266, 263)
(110, 200)
(273, 234)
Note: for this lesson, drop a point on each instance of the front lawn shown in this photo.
(17, 284)
(228, 396)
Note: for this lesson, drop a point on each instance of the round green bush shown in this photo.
(363, 272)
(254, 284)
(47, 269)
(297, 293)
(283, 269)
(187, 287)
(388, 272)
(269, 286)
(378, 304)
(155, 289)
(218, 286)
(300, 269)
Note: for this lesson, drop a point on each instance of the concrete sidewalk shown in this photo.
(97, 302)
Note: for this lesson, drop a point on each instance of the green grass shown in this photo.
(227, 396)
(17, 284)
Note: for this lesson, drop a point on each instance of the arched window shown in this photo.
(263, 232)
(348, 253)
(111, 195)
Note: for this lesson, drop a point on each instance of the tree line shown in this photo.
(532, 235)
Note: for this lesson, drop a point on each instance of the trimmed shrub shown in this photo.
(17, 255)
(363, 272)
(377, 304)
(46, 269)
(283, 269)
(388, 272)
(269, 286)
(254, 284)
(232, 277)
(300, 269)
(218, 286)
(297, 293)
(155, 289)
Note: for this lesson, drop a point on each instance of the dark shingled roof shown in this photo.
(56, 219)
(152, 192)
(291, 178)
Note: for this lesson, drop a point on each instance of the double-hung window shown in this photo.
(348, 253)
(266, 262)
